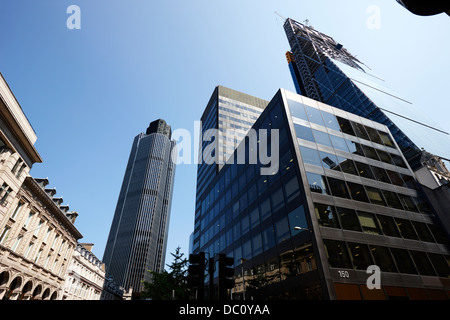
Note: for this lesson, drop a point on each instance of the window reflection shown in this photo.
(326, 215)
(317, 183)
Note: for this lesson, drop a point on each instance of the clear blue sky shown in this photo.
(89, 92)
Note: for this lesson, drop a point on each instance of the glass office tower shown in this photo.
(344, 198)
(324, 70)
(138, 237)
(231, 113)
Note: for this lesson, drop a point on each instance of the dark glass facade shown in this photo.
(344, 198)
(327, 72)
(138, 236)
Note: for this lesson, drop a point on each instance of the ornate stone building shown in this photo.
(86, 275)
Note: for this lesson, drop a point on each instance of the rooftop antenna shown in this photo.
(276, 12)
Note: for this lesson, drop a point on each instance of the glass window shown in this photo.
(322, 138)
(370, 152)
(410, 182)
(268, 238)
(360, 255)
(329, 161)
(392, 199)
(398, 161)
(407, 203)
(422, 231)
(338, 188)
(254, 217)
(406, 229)
(326, 215)
(384, 156)
(317, 183)
(310, 156)
(347, 166)
(330, 121)
(297, 219)
(345, 126)
(252, 194)
(388, 226)
(247, 250)
(282, 230)
(373, 134)
(368, 222)
(403, 261)
(440, 264)
(357, 192)
(422, 263)
(257, 245)
(237, 230)
(277, 200)
(303, 132)
(237, 255)
(265, 209)
(364, 170)
(243, 201)
(337, 254)
(380, 174)
(314, 115)
(297, 110)
(349, 219)
(375, 196)
(292, 189)
(262, 185)
(395, 178)
(383, 258)
(360, 130)
(355, 147)
(387, 141)
(339, 143)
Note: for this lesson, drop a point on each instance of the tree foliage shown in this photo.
(168, 285)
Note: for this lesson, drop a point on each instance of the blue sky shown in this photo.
(89, 92)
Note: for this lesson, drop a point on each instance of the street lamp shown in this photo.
(301, 228)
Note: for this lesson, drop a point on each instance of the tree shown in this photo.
(169, 285)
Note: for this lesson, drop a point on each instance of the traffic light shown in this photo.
(196, 273)
(226, 273)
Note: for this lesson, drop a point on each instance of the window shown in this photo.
(268, 238)
(16, 243)
(360, 254)
(355, 148)
(5, 235)
(297, 109)
(277, 200)
(388, 226)
(360, 131)
(395, 178)
(440, 264)
(384, 156)
(380, 174)
(364, 170)
(282, 230)
(291, 189)
(398, 161)
(322, 138)
(310, 156)
(368, 223)
(406, 229)
(297, 219)
(339, 143)
(265, 209)
(314, 115)
(387, 141)
(329, 161)
(338, 188)
(254, 217)
(317, 183)
(357, 192)
(331, 121)
(349, 219)
(30, 217)
(373, 134)
(370, 152)
(347, 166)
(392, 199)
(403, 261)
(422, 231)
(383, 258)
(422, 263)
(337, 254)
(245, 225)
(257, 245)
(345, 126)
(5, 195)
(326, 215)
(17, 210)
(247, 250)
(303, 132)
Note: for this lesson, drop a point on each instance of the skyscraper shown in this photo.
(322, 69)
(138, 237)
(338, 204)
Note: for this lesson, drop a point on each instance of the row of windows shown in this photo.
(360, 256)
(333, 162)
(349, 219)
(350, 190)
(240, 105)
(340, 124)
(347, 145)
